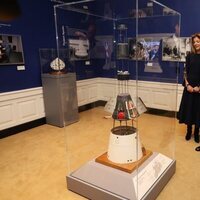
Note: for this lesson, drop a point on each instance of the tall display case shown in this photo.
(132, 154)
(59, 88)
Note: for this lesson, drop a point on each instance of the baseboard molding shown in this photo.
(22, 127)
(19, 107)
(159, 112)
(91, 105)
(26, 126)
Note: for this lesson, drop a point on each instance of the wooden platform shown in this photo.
(130, 167)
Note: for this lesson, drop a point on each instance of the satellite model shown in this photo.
(124, 143)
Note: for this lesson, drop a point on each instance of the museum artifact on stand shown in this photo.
(125, 151)
(126, 168)
(59, 88)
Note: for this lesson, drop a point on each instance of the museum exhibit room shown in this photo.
(99, 100)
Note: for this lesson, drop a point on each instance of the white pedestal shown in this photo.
(124, 148)
(96, 181)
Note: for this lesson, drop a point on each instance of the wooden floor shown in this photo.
(34, 163)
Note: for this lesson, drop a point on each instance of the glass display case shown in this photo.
(59, 88)
(53, 62)
(125, 150)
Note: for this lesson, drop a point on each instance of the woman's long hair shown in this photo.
(196, 35)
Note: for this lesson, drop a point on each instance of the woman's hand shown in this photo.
(196, 89)
(190, 88)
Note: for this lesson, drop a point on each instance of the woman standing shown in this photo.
(189, 111)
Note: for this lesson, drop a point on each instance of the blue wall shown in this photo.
(36, 26)
(190, 14)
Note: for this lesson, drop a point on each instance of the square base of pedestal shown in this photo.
(96, 181)
(129, 167)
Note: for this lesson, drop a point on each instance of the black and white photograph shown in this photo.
(103, 49)
(77, 41)
(11, 51)
(78, 49)
(146, 48)
(175, 48)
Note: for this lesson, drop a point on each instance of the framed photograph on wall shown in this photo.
(146, 47)
(104, 50)
(78, 49)
(137, 49)
(175, 48)
(11, 51)
(77, 42)
(103, 47)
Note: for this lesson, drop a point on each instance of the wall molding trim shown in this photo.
(22, 106)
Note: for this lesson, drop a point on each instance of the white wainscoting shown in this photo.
(158, 95)
(23, 106)
(87, 91)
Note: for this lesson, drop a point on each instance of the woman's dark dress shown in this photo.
(189, 111)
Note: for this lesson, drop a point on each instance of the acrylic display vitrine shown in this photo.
(59, 88)
(130, 154)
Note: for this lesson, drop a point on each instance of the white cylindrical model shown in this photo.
(124, 145)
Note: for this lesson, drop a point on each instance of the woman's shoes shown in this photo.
(196, 135)
(188, 135)
(197, 148)
(196, 138)
(189, 132)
